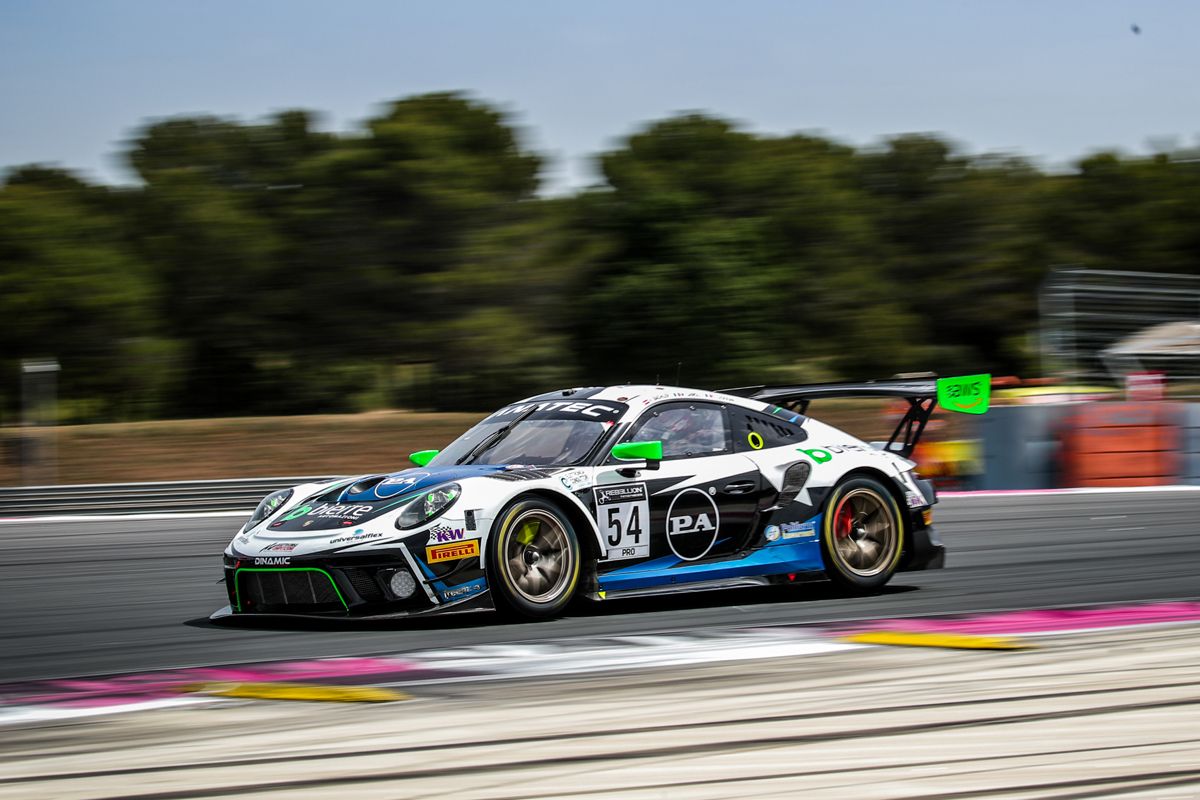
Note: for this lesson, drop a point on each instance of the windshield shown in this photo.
(554, 434)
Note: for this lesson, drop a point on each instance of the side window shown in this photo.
(758, 431)
(685, 430)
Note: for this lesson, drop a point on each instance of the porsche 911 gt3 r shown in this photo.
(607, 492)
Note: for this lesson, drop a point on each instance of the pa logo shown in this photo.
(693, 521)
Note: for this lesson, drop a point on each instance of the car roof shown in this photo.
(647, 394)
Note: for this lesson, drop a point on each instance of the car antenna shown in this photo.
(678, 369)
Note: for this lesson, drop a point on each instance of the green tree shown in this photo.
(69, 290)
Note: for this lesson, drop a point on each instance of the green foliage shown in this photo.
(274, 268)
(69, 291)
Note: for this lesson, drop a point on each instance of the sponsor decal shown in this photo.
(295, 513)
(914, 500)
(687, 394)
(574, 480)
(755, 440)
(772, 533)
(854, 448)
(816, 454)
(593, 410)
(968, 394)
(359, 535)
(345, 512)
(444, 533)
(822, 454)
(273, 561)
(623, 517)
(280, 547)
(244, 539)
(692, 524)
(798, 530)
(452, 552)
(403, 479)
(465, 590)
(621, 494)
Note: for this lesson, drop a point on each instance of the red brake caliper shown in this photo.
(843, 522)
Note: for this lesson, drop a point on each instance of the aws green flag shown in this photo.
(966, 394)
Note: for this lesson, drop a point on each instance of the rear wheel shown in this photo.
(862, 535)
(534, 558)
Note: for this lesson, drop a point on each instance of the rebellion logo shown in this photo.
(621, 494)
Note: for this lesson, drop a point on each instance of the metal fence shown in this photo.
(117, 498)
(1087, 312)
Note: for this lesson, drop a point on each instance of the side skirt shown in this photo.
(706, 586)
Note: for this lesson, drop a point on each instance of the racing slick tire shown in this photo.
(862, 535)
(533, 559)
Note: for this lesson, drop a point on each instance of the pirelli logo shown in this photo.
(452, 552)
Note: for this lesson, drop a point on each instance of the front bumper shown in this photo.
(925, 551)
(350, 586)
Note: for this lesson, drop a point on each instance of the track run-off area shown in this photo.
(755, 693)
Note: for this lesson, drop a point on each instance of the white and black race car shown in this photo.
(605, 493)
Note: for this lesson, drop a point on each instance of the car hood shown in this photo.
(374, 488)
(350, 503)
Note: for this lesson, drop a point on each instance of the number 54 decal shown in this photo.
(623, 516)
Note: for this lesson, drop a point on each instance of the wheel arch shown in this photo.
(888, 483)
(589, 535)
(579, 519)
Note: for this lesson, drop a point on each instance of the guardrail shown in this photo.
(240, 494)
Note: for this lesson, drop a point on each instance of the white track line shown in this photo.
(13, 715)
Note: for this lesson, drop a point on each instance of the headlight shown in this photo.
(269, 505)
(428, 506)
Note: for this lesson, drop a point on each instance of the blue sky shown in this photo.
(1052, 79)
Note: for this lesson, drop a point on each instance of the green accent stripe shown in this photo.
(237, 584)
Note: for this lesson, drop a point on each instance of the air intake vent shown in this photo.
(793, 481)
(364, 583)
(287, 590)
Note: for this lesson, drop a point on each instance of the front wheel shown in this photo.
(862, 535)
(534, 556)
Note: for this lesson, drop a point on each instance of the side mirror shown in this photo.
(423, 457)
(648, 453)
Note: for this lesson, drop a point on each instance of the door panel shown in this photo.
(688, 510)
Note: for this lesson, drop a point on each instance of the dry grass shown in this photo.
(326, 444)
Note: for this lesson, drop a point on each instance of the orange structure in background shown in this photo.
(1122, 444)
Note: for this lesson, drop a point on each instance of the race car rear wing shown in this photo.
(968, 394)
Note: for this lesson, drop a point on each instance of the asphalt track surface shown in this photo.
(80, 598)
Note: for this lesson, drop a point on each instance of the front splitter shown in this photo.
(476, 602)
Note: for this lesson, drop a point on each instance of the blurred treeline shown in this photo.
(275, 268)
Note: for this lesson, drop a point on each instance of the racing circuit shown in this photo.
(121, 596)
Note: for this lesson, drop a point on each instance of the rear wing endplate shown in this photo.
(966, 394)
